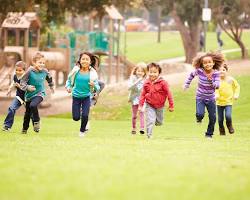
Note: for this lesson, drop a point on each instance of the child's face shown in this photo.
(139, 72)
(223, 72)
(40, 64)
(207, 63)
(85, 61)
(153, 73)
(19, 71)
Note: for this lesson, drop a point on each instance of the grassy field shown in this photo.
(142, 46)
(109, 163)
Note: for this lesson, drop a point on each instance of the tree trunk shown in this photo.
(189, 36)
(244, 53)
(234, 34)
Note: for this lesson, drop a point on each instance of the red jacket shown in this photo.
(155, 93)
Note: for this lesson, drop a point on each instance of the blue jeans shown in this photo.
(9, 120)
(80, 110)
(200, 111)
(31, 111)
(228, 114)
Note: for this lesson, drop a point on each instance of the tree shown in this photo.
(187, 16)
(232, 15)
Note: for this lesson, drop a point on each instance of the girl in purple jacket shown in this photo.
(206, 68)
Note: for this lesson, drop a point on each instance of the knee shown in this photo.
(11, 109)
(33, 106)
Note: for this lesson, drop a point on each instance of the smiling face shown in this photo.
(140, 72)
(40, 64)
(153, 73)
(19, 71)
(223, 72)
(85, 61)
(207, 63)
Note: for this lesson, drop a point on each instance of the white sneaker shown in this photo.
(82, 134)
(150, 136)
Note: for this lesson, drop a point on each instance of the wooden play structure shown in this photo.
(21, 36)
(116, 63)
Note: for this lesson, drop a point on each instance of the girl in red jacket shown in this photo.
(154, 93)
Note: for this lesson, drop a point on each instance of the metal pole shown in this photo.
(205, 26)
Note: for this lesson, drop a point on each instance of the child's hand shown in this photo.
(69, 90)
(31, 88)
(91, 84)
(17, 85)
(171, 109)
(209, 77)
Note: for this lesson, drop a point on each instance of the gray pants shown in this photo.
(154, 116)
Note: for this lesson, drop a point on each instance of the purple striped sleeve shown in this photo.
(190, 78)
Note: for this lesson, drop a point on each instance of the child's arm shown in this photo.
(217, 94)
(189, 79)
(94, 85)
(24, 82)
(68, 85)
(236, 88)
(169, 96)
(216, 80)
(133, 82)
(102, 85)
(49, 79)
(142, 98)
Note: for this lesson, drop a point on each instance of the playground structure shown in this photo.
(21, 36)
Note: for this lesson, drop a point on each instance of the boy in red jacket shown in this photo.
(154, 93)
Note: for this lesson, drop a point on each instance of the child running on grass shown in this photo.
(154, 93)
(82, 81)
(135, 85)
(228, 91)
(18, 101)
(33, 83)
(206, 68)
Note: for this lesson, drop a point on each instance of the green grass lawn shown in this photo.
(142, 46)
(109, 163)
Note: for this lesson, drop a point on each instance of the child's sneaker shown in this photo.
(82, 134)
(142, 132)
(158, 123)
(209, 136)
(230, 127)
(198, 121)
(150, 136)
(133, 132)
(24, 131)
(5, 128)
(36, 127)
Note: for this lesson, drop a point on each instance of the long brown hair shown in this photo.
(217, 57)
(94, 60)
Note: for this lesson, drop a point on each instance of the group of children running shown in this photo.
(148, 92)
